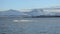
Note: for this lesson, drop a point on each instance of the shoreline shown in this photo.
(33, 17)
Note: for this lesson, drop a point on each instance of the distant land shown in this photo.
(42, 12)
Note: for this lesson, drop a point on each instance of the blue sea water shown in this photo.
(29, 25)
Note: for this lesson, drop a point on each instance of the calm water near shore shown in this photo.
(29, 25)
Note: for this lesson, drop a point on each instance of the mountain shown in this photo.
(11, 12)
(32, 12)
(54, 13)
(35, 12)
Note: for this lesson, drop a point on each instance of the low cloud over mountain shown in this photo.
(32, 12)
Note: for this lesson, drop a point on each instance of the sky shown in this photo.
(27, 4)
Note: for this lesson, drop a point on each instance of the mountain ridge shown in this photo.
(33, 12)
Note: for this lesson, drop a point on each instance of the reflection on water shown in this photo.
(22, 20)
(29, 25)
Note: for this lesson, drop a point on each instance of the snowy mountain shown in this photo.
(35, 12)
(11, 12)
(54, 13)
(32, 12)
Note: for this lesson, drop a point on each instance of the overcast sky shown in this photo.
(27, 4)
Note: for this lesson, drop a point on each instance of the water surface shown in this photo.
(29, 25)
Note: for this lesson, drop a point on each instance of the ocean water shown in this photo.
(29, 25)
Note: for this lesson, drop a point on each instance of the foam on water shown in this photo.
(22, 20)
